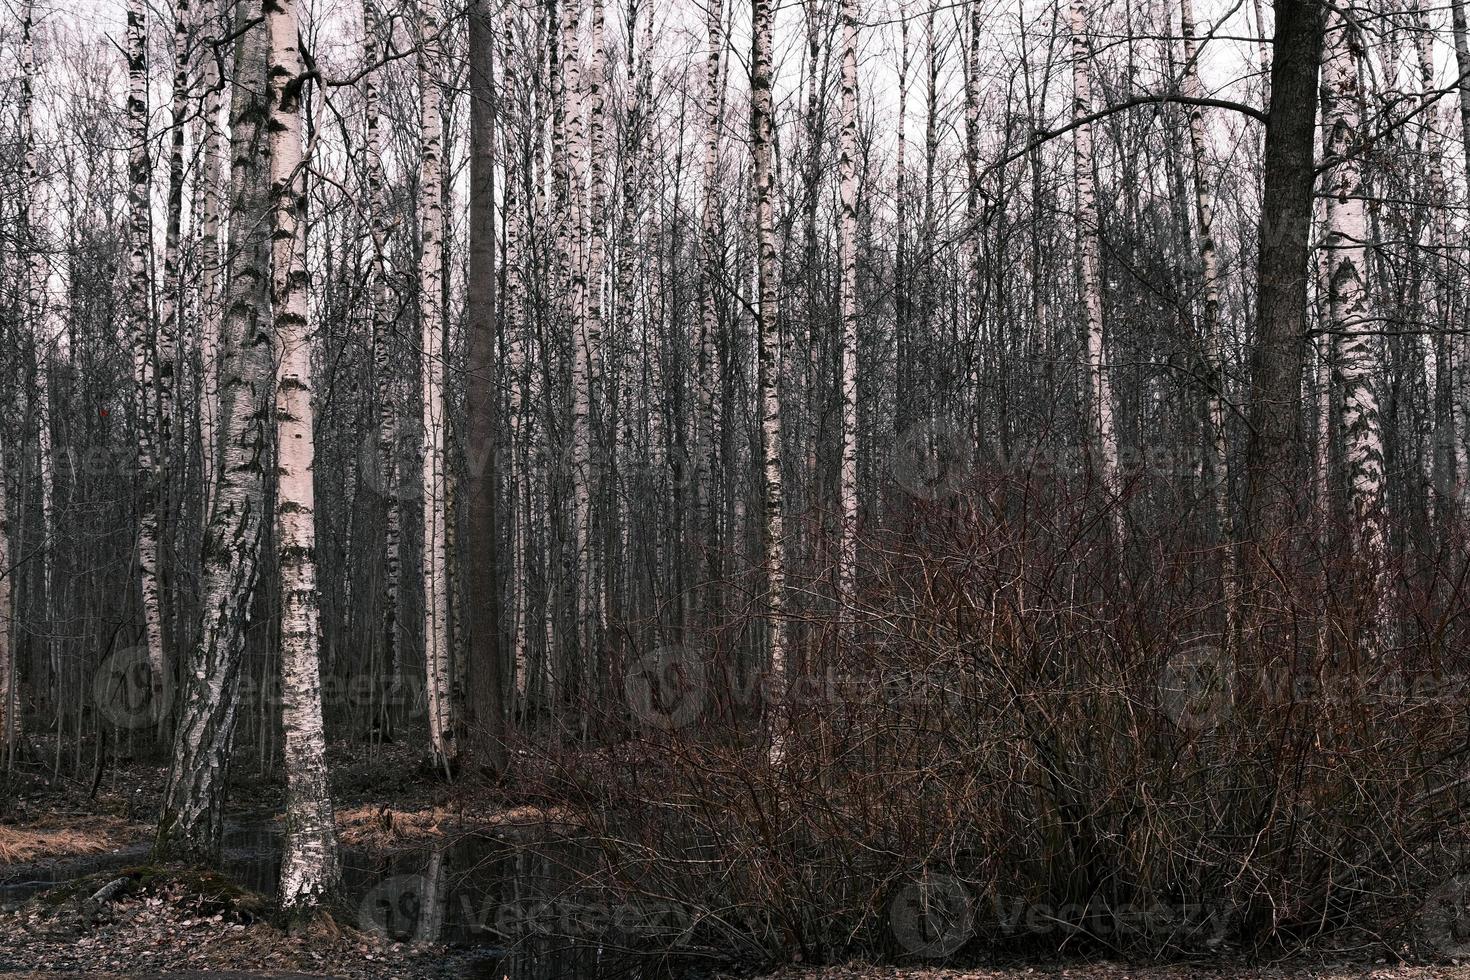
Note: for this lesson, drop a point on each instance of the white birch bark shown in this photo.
(515, 357)
(768, 340)
(309, 869)
(594, 474)
(210, 308)
(578, 248)
(191, 825)
(436, 559)
(705, 426)
(1460, 346)
(150, 473)
(1100, 393)
(847, 259)
(1345, 248)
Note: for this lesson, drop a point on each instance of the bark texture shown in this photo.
(191, 825)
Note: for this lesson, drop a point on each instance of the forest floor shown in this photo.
(385, 799)
(171, 927)
(175, 923)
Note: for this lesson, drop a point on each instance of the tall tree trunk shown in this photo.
(1274, 460)
(191, 825)
(1210, 328)
(594, 615)
(31, 276)
(140, 320)
(768, 339)
(710, 282)
(1102, 430)
(1460, 386)
(1350, 314)
(385, 367)
(486, 709)
(309, 868)
(1448, 455)
(210, 307)
(847, 260)
(431, 315)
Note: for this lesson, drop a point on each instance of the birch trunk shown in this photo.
(1459, 405)
(309, 868)
(192, 822)
(1350, 315)
(150, 473)
(847, 176)
(385, 376)
(436, 559)
(709, 244)
(210, 307)
(593, 617)
(1210, 328)
(768, 340)
(515, 356)
(168, 431)
(578, 575)
(1100, 393)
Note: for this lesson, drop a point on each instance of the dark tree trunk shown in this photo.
(1276, 453)
(481, 569)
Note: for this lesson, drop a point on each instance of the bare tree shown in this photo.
(309, 869)
(192, 822)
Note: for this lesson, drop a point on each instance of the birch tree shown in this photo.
(210, 268)
(309, 869)
(192, 822)
(385, 377)
(141, 323)
(847, 175)
(436, 558)
(768, 338)
(1102, 430)
(1211, 330)
(1350, 316)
